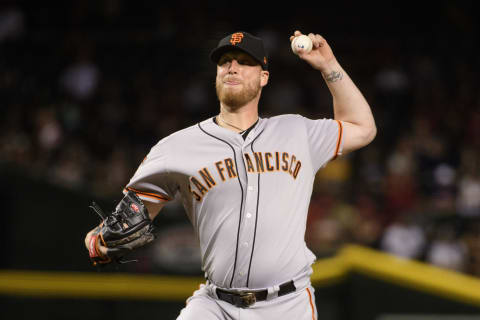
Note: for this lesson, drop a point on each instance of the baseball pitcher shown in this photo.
(245, 183)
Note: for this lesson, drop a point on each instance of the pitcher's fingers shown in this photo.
(312, 37)
(103, 250)
(318, 40)
(88, 237)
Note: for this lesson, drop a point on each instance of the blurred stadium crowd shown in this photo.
(88, 88)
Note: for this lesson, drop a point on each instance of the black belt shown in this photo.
(245, 299)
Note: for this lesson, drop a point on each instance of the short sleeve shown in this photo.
(152, 181)
(324, 139)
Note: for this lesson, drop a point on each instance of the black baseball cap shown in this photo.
(242, 41)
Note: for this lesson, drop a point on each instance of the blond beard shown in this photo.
(236, 99)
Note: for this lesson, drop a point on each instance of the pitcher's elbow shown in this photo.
(372, 133)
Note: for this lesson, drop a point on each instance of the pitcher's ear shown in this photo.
(264, 78)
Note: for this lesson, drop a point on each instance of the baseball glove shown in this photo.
(122, 231)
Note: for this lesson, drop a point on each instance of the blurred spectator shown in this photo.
(404, 238)
(468, 200)
(391, 79)
(446, 251)
(469, 196)
(49, 131)
(81, 78)
(442, 199)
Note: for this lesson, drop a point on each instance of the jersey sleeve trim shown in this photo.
(339, 139)
(154, 196)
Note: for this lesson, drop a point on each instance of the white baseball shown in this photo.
(302, 42)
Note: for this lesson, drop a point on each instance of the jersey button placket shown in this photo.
(247, 229)
(250, 195)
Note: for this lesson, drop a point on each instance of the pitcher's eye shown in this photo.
(224, 60)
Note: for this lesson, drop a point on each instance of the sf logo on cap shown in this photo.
(236, 38)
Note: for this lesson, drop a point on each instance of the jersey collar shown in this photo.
(230, 136)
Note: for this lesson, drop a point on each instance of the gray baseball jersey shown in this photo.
(247, 199)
